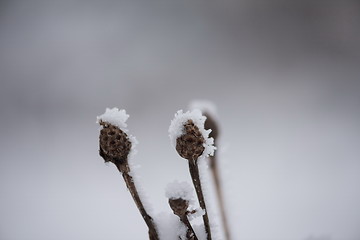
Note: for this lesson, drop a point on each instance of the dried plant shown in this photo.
(115, 147)
(190, 144)
(180, 198)
(191, 140)
(180, 208)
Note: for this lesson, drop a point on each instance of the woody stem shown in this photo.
(191, 232)
(124, 169)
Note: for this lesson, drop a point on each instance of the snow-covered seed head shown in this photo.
(190, 145)
(180, 195)
(114, 144)
(179, 206)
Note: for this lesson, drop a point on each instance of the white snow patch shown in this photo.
(176, 190)
(140, 189)
(200, 232)
(170, 227)
(115, 117)
(206, 185)
(176, 129)
(199, 212)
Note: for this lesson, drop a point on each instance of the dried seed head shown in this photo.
(210, 123)
(114, 144)
(179, 206)
(190, 145)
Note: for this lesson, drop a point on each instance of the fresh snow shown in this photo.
(176, 129)
(206, 185)
(181, 190)
(115, 117)
(200, 231)
(170, 227)
(199, 212)
(139, 187)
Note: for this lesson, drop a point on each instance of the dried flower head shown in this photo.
(179, 206)
(114, 144)
(190, 145)
(189, 137)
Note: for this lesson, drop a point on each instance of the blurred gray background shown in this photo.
(284, 74)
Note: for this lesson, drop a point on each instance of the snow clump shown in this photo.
(115, 117)
(176, 190)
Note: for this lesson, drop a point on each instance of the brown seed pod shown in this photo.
(190, 145)
(179, 206)
(114, 144)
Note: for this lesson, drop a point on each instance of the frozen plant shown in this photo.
(180, 197)
(117, 146)
(192, 142)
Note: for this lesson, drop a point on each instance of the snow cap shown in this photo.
(176, 190)
(115, 117)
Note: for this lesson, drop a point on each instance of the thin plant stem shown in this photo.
(216, 176)
(190, 233)
(124, 169)
(194, 172)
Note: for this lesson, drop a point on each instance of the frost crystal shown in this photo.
(176, 129)
(176, 190)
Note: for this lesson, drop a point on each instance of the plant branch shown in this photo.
(124, 169)
(190, 232)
